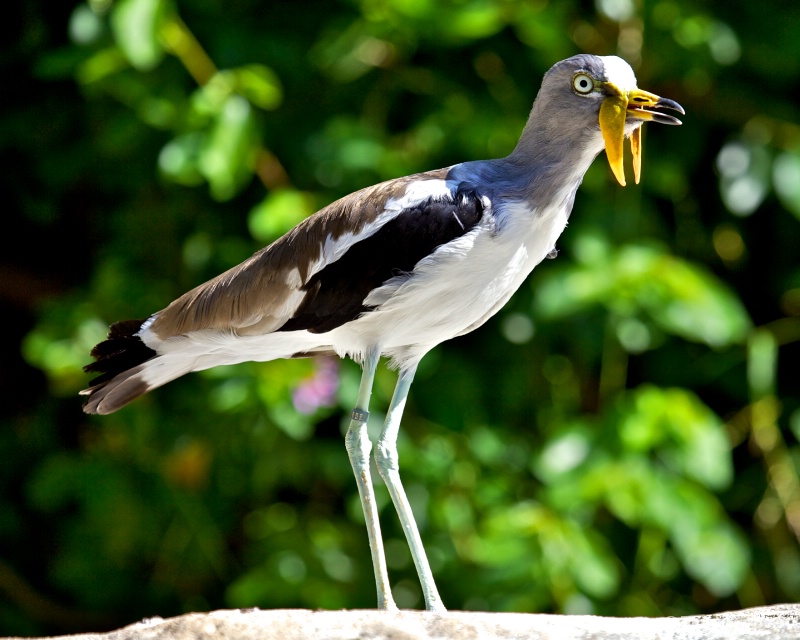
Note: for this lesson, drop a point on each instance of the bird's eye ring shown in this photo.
(582, 83)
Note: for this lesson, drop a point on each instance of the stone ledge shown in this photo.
(774, 623)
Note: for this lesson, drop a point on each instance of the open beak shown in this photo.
(615, 111)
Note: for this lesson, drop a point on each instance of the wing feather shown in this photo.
(337, 293)
(260, 294)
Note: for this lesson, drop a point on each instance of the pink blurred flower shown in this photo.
(320, 389)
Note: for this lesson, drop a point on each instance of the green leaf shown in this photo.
(259, 84)
(681, 298)
(136, 25)
(567, 450)
(281, 210)
(716, 556)
(179, 158)
(762, 363)
(683, 431)
(786, 177)
(694, 304)
(60, 347)
(644, 496)
(101, 65)
(592, 562)
(228, 157)
(474, 21)
(530, 533)
(711, 550)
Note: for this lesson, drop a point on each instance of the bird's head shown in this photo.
(602, 91)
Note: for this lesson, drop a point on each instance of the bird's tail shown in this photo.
(128, 368)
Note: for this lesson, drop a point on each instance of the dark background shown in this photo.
(621, 439)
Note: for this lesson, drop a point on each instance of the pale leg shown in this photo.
(358, 449)
(388, 466)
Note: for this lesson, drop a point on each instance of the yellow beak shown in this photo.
(617, 107)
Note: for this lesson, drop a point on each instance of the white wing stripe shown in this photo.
(415, 193)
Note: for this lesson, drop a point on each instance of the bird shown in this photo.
(393, 270)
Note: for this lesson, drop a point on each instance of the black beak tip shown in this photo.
(670, 104)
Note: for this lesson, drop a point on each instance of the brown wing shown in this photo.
(263, 292)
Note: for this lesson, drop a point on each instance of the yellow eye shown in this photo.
(582, 83)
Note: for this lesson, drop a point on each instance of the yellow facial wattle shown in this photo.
(613, 113)
(636, 150)
(616, 108)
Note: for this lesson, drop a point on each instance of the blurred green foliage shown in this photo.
(621, 439)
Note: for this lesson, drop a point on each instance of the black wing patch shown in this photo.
(335, 294)
(120, 351)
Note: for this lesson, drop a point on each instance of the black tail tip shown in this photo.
(122, 350)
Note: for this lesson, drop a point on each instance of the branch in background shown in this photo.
(180, 41)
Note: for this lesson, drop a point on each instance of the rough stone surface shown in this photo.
(776, 623)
